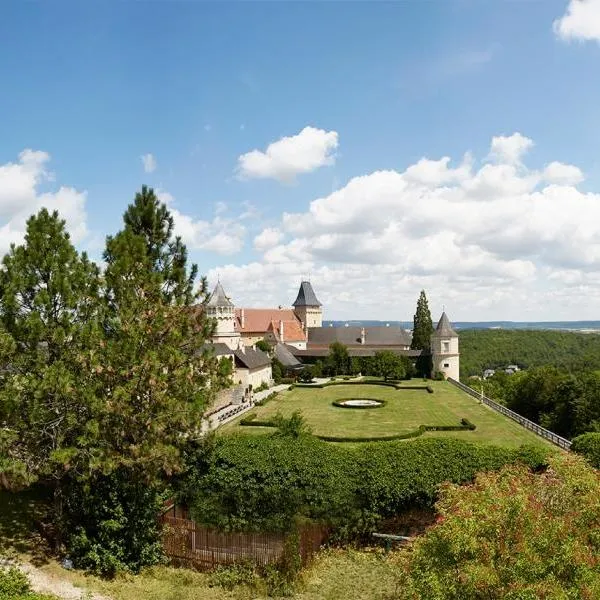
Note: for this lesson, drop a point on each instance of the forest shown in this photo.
(482, 349)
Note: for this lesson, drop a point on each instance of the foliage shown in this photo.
(224, 372)
(48, 400)
(264, 346)
(278, 370)
(338, 360)
(293, 426)
(512, 534)
(156, 378)
(14, 585)
(482, 349)
(113, 525)
(563, 402)
(588, 445)
(307, 374)
(262, 387)
(422, 325)
(265, 482)
(389, 365)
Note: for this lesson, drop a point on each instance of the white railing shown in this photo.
(559, 441)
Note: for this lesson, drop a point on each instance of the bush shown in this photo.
(14, 585)
(113, 524)
(265, 482)
(512, 534)
(262, 387)
(588, 445)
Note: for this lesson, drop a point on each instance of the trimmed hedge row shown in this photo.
(391, 384)
(264, 483)
(465, 425)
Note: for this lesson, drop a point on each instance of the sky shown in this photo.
(375, 148)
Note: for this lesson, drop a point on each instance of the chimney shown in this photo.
(242, 318)
(281, 330)
(363, 336)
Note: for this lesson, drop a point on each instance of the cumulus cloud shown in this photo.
(487, 238)
(267, 238)
(289, 157)
(581, 21)
(149, 163)
(220, 235)
(509, 149)
(20, 197)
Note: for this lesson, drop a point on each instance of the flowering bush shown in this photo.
(512, 534)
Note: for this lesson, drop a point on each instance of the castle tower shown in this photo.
(307, 308)
(444, 349)
(220, 308)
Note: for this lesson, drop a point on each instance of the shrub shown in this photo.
(112, 524)
(512, 534)
(265, 482)
(14, 585)
(262, 387)
(588, 445)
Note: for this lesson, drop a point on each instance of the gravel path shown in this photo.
(44, 583)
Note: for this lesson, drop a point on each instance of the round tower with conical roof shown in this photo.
(444, 349)
(220, 308)
(307, 308)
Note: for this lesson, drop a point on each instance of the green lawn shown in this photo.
(404, 411)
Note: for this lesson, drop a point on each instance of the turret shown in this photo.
(222, 309)
(307, 308)
(444, 349)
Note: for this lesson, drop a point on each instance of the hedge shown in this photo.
(263, 483)
(391, 384)
(465, 425)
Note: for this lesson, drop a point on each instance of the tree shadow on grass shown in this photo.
(20, 516)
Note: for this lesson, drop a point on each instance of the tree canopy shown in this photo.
(422, 325)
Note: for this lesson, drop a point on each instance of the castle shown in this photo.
(297, 335)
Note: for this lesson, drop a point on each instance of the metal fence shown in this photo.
(559, 441)
(205, 548)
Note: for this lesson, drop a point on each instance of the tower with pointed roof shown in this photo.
(307, 308)
(444, 349)
(220, 308)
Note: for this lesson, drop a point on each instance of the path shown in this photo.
(45, 583)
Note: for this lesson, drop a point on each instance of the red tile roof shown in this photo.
(292, 331)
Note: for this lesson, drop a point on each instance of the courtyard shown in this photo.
(403, 411)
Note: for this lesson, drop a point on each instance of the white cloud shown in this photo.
(20, 197)
(580, 22)
(149, 163)
(221, 235)
(494, 241)
(557, 172)
(509, 149)
(289, 157)
(267, 238)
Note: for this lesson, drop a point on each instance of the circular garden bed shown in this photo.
(359, 403)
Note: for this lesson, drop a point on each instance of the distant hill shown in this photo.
(582, 326)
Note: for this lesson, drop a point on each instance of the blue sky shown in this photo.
(90, 88)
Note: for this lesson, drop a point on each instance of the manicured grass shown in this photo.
(404, 411)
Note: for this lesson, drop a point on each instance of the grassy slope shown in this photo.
(405, 411)
(336, 574)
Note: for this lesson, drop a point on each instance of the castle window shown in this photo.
(446, 346)
(446, 365)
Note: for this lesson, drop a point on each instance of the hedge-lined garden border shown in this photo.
(396, 386)
(465, 425)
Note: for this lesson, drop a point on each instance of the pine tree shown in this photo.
(49, 314)
(157, 375)
(422, 325)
